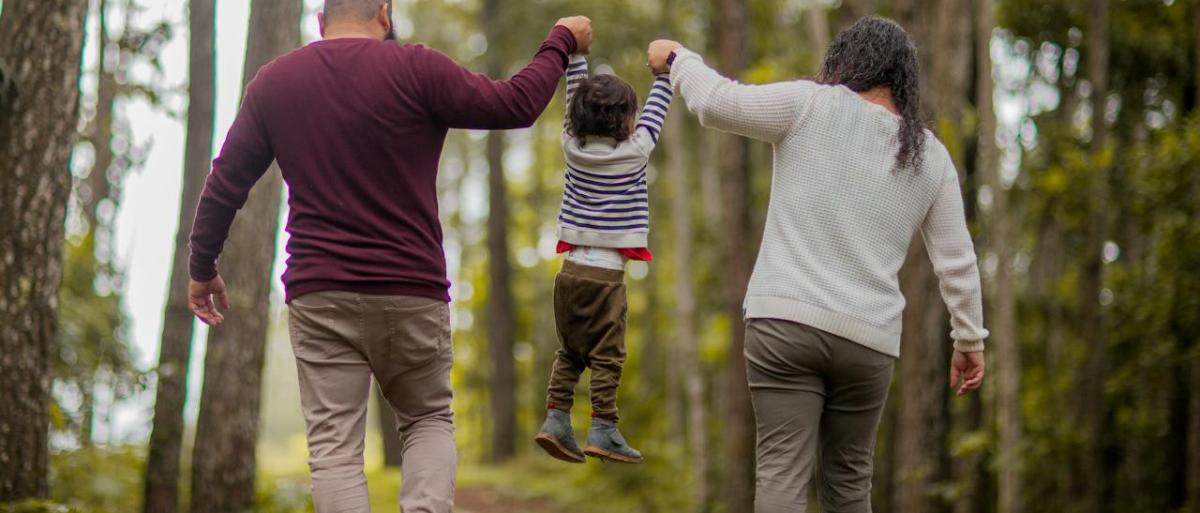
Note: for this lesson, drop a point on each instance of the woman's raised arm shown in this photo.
(764, 112)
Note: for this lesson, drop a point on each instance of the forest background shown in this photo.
(1074, 125)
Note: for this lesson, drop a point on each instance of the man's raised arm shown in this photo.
(461, 99)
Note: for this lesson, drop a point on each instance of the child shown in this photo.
(603, 222)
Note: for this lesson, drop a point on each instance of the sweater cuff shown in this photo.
(969, 346)
(682, 57)
(562, 40)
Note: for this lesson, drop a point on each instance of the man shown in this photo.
(357, 125)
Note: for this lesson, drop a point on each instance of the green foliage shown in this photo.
(98, 479)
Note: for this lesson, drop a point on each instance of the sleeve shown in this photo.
(654, 113)
(244, 157)
(459, 98)
(952, 254)
(577, 71)
(764, 112)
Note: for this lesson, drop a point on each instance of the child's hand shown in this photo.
(658, 53)
(581, 27)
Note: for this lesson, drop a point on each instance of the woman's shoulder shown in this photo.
(936, 162)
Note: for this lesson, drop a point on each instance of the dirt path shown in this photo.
(487, 500)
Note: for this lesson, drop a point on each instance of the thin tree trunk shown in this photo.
(223, 459)
(685, 311)
(174, 357)
(735, 195)
(1006, 346)
(102, 125)
(40, 50)
(501, 321)
(818, 30)
(1193, 438)
(1090, 411)
(852, 10)
(942, 31)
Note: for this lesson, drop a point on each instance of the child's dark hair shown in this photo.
(602, 107)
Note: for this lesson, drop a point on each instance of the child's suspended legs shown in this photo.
(589, 311)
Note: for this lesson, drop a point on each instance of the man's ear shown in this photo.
(384, 16)
(321, 23)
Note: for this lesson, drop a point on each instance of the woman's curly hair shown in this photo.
(602, 107)
(878, 52)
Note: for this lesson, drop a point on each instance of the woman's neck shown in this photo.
(882, 96)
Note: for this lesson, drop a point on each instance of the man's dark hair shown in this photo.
(877, 52)
(351, 10)
(602, 107)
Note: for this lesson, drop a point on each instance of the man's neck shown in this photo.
(351, 32)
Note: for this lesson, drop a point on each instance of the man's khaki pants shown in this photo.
(817, 397)
(340, 340)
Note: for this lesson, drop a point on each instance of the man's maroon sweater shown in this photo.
(357, 126)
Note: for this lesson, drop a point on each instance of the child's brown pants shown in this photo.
(589, 313)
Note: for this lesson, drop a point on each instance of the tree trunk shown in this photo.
(501, 321)
(1090, 411)
(1002, 313)
(852, 10)
(735, 200)
(818, 30)
(101, 132)
(1193, 439)
(685, 311)
(174, 357)
(942, 31)
(223, 460)
(40, 50)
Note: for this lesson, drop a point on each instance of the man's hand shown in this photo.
(200, 299)
(657, 54)
(966, 368)
(581, 27)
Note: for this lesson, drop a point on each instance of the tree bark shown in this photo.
(40, 50)
(101, 134)
(501, 321)
(818, 30)
(735, 199)
(685, 311)
(1090, 411)
(1193, 439)
(942, 30)
(1002, 314)
(852, 10)
(223, 460)
(174, 357)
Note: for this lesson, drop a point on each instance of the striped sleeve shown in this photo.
(577, 71)
(658, 102)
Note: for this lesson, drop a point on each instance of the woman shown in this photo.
(855, 176)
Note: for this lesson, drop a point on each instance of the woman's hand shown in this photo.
(967, 369)
(658, 53)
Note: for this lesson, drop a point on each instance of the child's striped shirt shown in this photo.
(605, 198)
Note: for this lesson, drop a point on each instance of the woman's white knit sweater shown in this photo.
(841, 218)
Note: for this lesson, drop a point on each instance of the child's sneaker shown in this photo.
(605, 442)
(558, 438)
